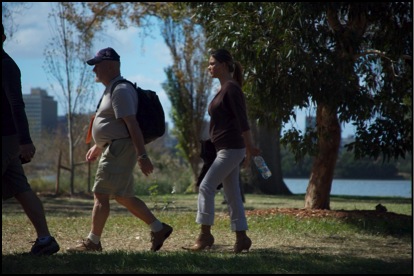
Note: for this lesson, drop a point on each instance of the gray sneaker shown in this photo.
(84, 246)
(158, 238)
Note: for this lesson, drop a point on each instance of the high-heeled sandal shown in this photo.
(204, 241)
(242, 244)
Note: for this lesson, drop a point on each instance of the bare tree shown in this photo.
(8, 12)
(65, 62)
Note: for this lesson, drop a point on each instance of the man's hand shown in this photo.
(93, 153)
(145, 165)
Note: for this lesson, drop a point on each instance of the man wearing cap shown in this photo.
(17, 148)
(119, 145)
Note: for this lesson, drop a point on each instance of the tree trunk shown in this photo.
(329, 138)
(268, 140)
(71, 152)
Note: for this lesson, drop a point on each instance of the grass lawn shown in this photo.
(351, 238)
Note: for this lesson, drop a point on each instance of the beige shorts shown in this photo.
(114, 175)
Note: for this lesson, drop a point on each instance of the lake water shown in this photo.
(356, 187)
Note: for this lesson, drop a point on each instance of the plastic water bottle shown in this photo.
(262, 167)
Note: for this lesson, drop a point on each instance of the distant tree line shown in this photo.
(349, 168)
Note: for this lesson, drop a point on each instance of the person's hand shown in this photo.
(145, 165)
(93, 153)
(251, 151)
(27, 152)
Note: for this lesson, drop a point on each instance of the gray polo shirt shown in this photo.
(108, 124)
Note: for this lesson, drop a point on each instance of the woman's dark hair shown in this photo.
(222, 55)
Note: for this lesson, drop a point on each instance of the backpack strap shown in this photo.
(120, 81)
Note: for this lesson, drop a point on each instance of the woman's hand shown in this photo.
(250, 152)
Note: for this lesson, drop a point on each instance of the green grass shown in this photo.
(282, 243)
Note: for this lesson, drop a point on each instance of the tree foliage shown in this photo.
(294, 58)
(90, 17)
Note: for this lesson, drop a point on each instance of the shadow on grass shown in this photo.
(269, 261)
(79, 206)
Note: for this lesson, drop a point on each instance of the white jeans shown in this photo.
(225, 169)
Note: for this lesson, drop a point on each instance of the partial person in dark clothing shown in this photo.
(231, 136)
(208, 154)
(17, 148)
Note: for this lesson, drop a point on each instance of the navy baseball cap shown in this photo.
(104, 54)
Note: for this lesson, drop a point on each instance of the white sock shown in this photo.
(156, 226)
(94, 238)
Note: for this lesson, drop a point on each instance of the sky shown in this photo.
(143, 60)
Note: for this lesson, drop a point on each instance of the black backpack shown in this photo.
(150, 115)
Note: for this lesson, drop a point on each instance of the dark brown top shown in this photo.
(228, 117)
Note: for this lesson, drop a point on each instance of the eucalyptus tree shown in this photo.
(351, 62)
(65, 56)
(188, 86)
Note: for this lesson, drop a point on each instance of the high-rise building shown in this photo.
(41, 111)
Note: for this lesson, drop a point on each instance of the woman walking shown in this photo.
(231, 136)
